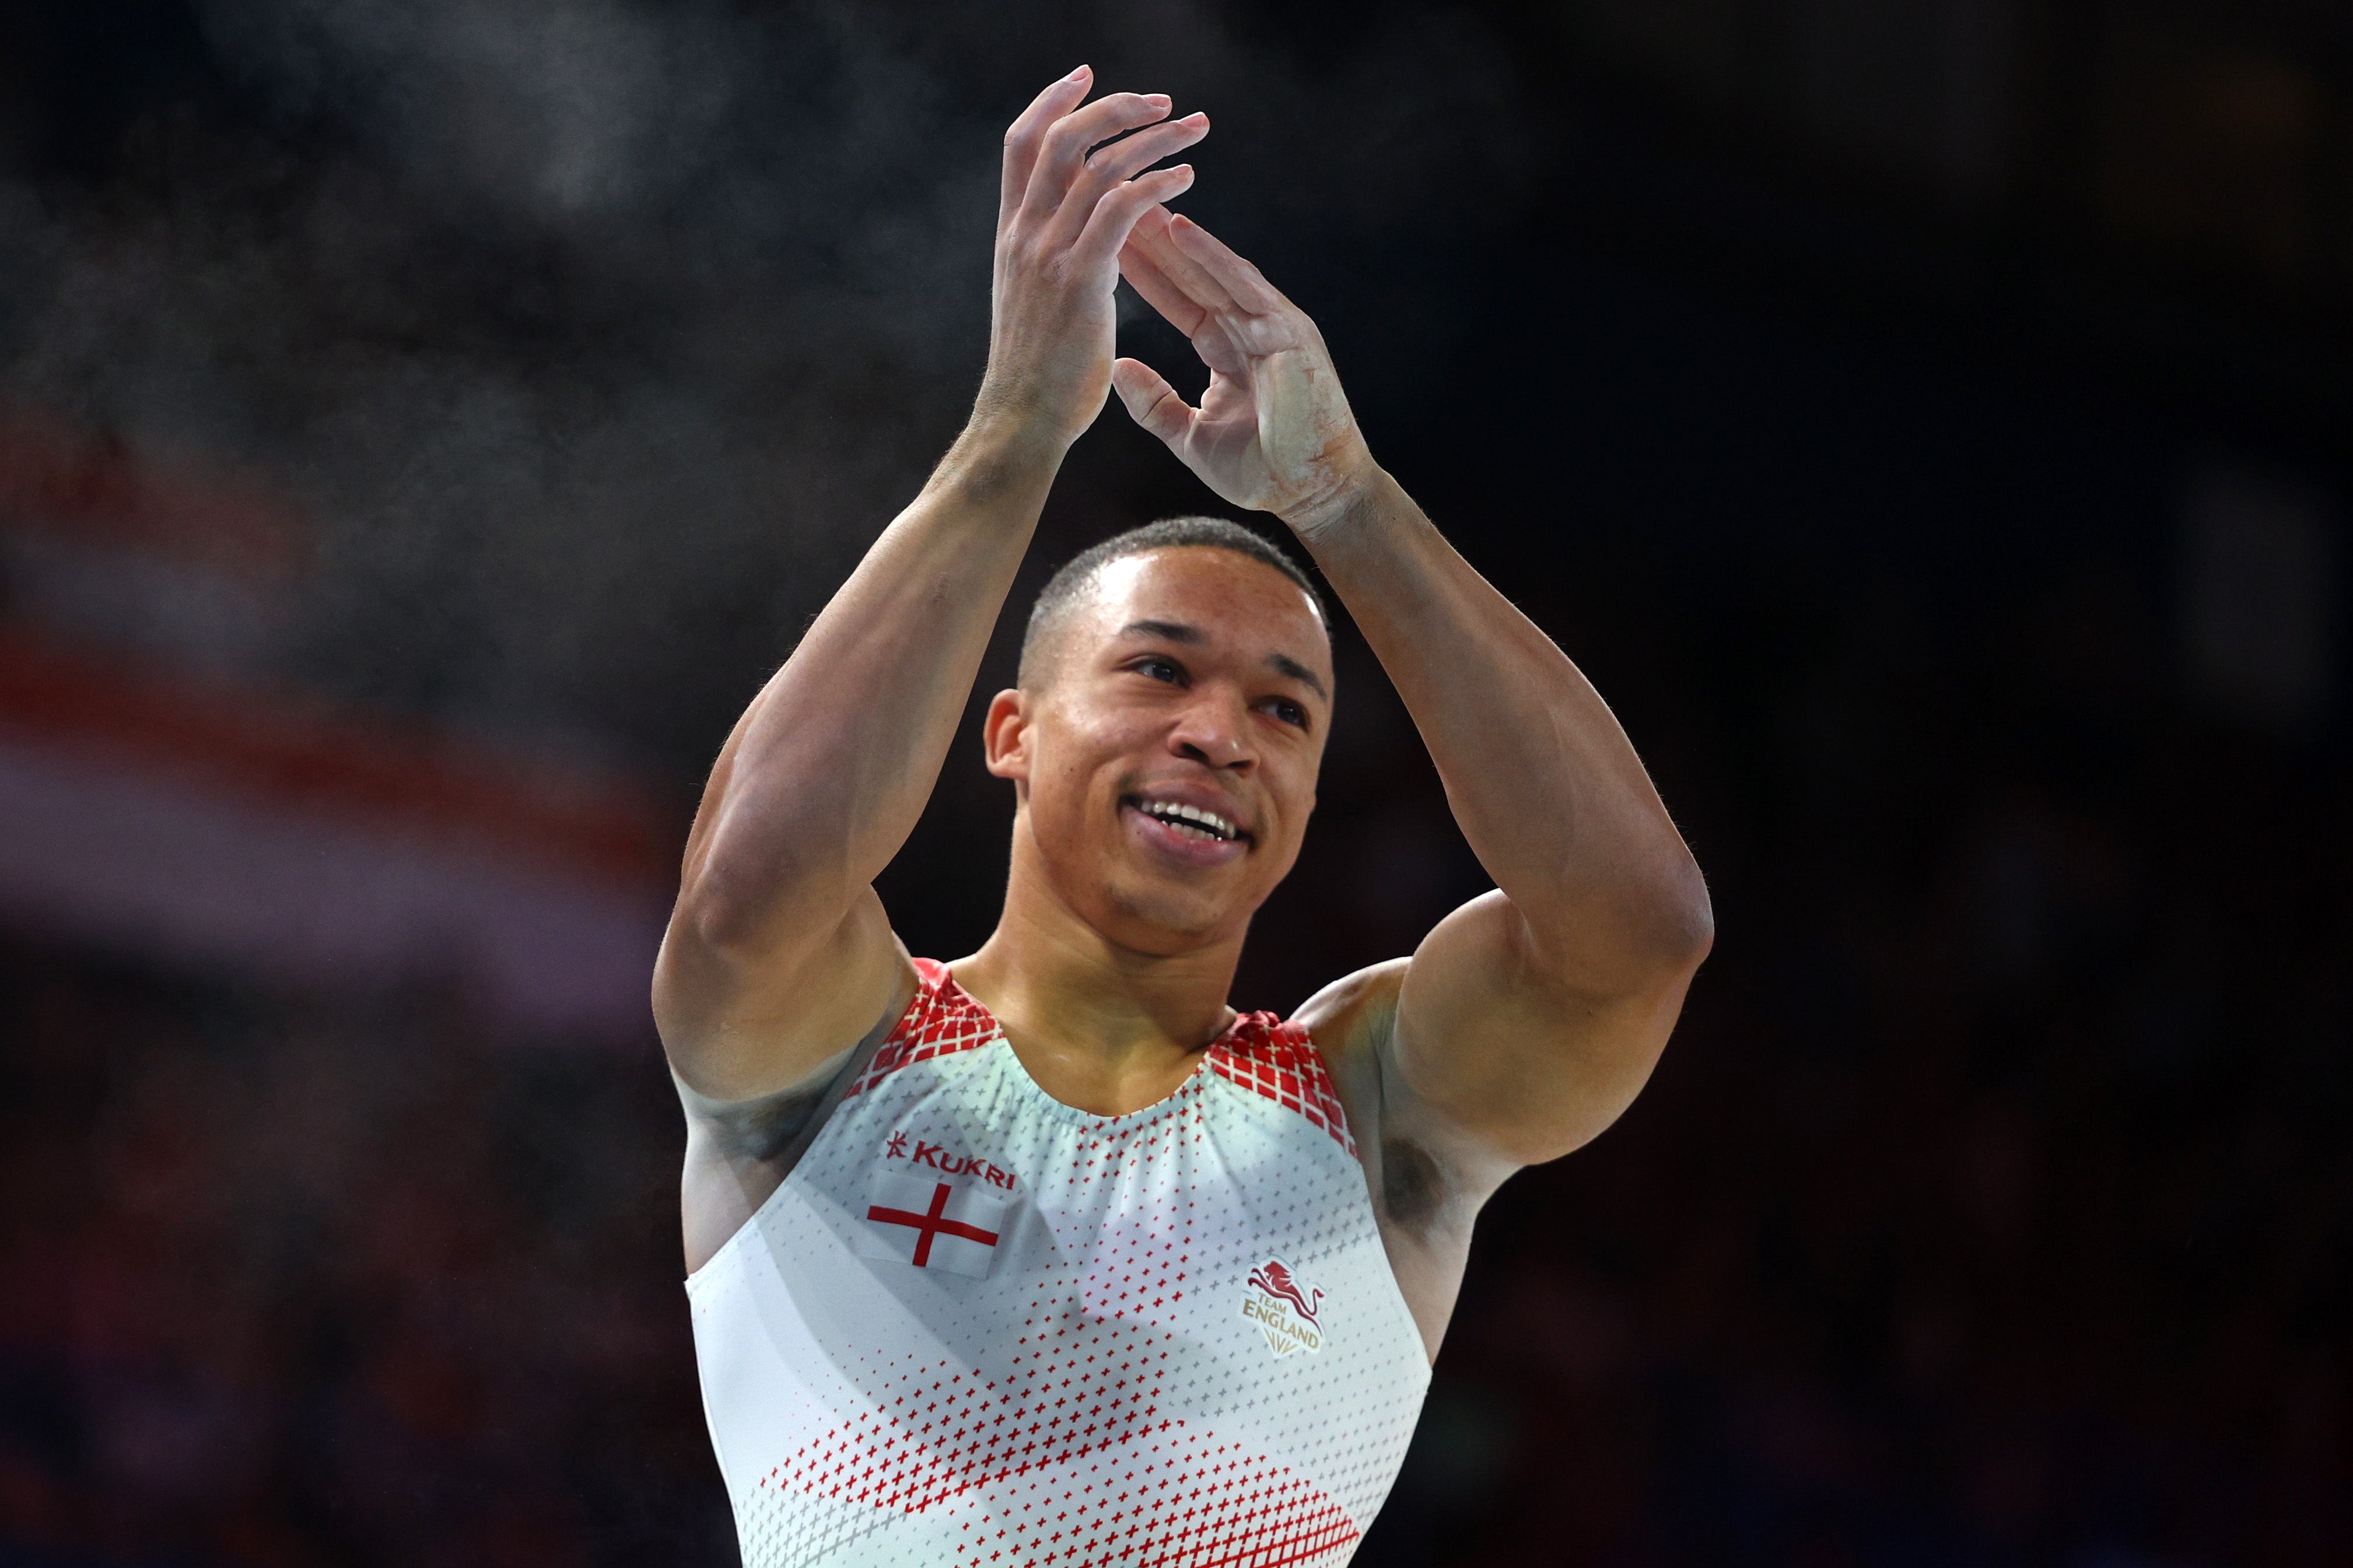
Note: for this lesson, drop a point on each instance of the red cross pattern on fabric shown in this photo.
(940, 1021)
(1279, 1060)
(933, 1223)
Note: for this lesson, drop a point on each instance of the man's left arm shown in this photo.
(1529, 1019)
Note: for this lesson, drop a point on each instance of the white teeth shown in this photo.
(1191, 819)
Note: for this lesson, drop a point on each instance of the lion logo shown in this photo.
(1274, 1276)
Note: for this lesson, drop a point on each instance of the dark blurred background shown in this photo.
(422, 427)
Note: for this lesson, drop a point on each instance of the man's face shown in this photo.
(1188, 683)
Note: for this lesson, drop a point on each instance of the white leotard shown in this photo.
(978, 1326)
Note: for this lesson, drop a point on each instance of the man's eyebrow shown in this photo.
(1166, 631)
(1286, 665)
(1178, 631)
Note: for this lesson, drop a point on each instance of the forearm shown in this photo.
(1545, 785)
(828, 771)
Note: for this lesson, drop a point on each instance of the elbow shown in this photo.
(1640, 937)
(1647, 936)
(1663, 909)
(1688, 917)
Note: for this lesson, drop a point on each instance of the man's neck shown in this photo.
(1099, 1026)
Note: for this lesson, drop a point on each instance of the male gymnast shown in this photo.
(1046, 1255)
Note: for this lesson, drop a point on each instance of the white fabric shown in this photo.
(1169, 1338)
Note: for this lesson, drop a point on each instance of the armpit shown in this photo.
(764, 1128)
(1413, 1188)
(775, 1126)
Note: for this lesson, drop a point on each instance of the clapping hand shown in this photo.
(1274, 431)
(1071, 194)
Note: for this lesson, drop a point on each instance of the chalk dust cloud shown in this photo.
(596, 339)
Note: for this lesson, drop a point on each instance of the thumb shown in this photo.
(1151, 401)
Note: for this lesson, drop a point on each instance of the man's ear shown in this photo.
(1005, 735)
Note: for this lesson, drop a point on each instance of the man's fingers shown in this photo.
(1063, 148)
(1153, 238)
(1029, 129)
(1117, 161)
(1246, 283)
(1224, 332)
(1153, 222)
(1145, 278)
(1114, 216)
(1150, 401)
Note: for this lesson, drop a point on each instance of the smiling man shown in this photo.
(1046, 1255)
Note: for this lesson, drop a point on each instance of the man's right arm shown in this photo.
(779, 957)
(778, 953)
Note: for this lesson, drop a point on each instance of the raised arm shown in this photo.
(778, 956)
(1530, 1017)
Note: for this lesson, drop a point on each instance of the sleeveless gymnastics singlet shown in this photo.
(978, 1326)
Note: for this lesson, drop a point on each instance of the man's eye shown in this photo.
(1290, 712)
(1158, 669)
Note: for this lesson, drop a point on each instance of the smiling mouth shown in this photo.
(1190, 821)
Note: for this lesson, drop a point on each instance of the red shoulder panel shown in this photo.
(942, 1020)
(1280, 1061)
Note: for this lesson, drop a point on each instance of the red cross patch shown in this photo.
(931, 1224)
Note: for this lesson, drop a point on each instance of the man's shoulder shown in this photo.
(1347, 1017)
(1348, 1021)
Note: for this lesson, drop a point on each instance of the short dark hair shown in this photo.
(1072, 579)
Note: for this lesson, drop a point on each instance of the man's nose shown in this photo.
(1214, 730)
